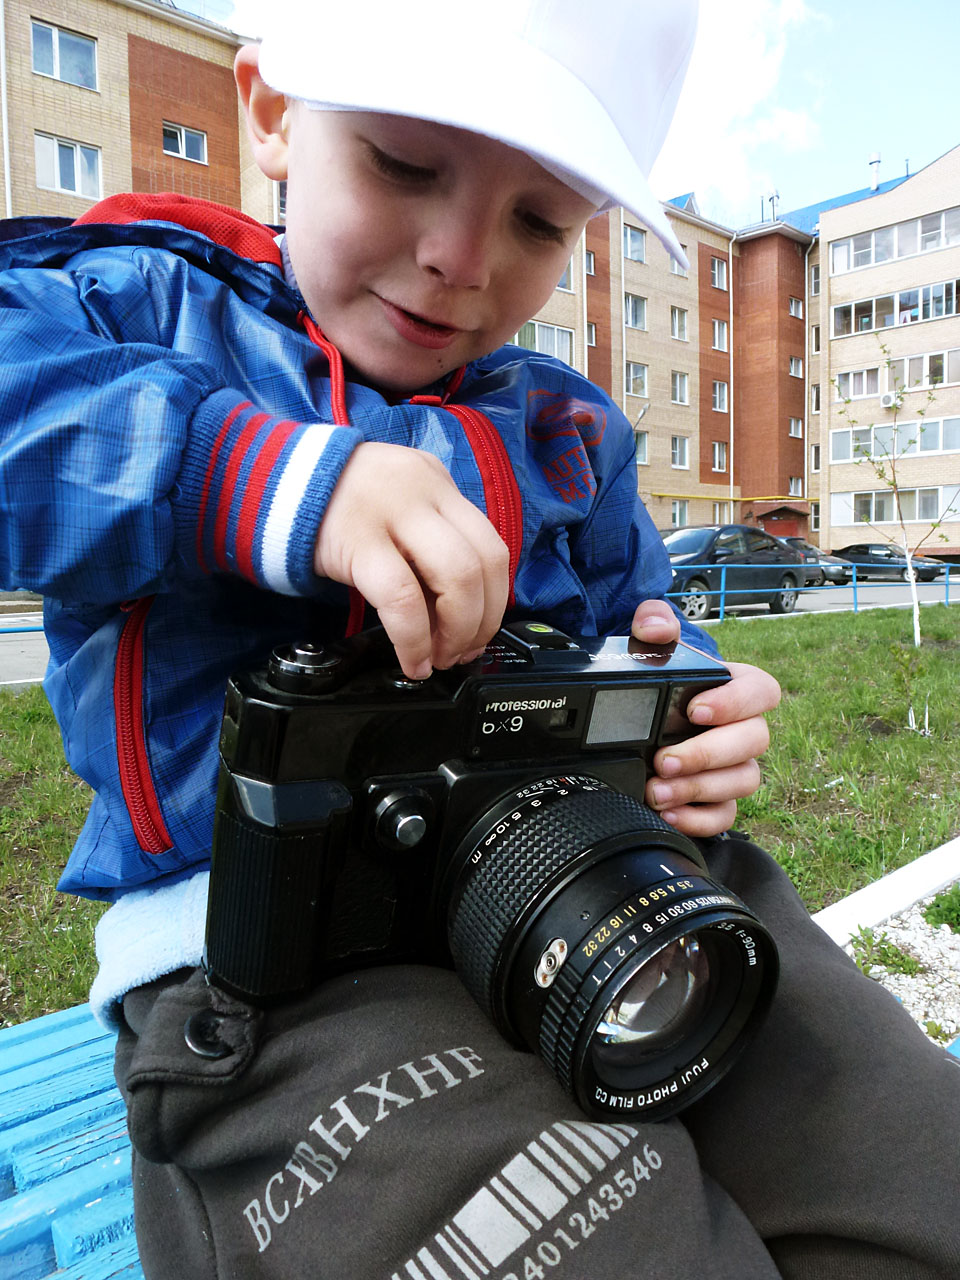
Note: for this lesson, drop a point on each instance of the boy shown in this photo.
(194, 476)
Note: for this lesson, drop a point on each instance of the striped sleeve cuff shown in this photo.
(253, 490)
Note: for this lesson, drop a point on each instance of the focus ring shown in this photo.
(515, 868)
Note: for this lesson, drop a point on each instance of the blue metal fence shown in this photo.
(724, 593)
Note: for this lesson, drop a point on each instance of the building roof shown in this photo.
(687, 202)
(808, 218)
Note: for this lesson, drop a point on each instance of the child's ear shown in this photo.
(265, 109)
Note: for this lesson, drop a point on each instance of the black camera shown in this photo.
(490, 818)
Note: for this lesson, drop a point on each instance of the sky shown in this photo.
(790, 96)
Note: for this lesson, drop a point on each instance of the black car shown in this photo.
(760, 569)
(881, 560)
(827, 568)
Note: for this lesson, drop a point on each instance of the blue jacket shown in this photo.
(171, 427)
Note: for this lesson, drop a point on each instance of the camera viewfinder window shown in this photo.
(622, 715)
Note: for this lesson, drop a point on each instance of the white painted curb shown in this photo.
(892, 894)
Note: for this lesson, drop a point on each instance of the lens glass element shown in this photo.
(658, 1006)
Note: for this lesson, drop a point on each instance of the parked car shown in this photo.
(880, 560)
(760, 569)
(828, 568)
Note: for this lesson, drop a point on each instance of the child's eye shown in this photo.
(541, 229)
(399, 170)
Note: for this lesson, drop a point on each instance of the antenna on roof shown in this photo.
(907, 163)
(773, 197)
(875, 166)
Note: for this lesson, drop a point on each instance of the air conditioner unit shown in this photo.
(888, 400)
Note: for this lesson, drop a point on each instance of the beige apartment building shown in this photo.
(884, 365)
(104, 96)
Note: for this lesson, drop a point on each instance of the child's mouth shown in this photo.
(418, 329)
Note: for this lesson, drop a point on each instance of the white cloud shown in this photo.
(731, 109)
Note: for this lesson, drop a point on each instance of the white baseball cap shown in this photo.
(587, 90)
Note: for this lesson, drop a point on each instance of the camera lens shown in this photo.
(590, 931)
(657, 1006)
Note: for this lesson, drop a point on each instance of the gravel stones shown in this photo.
(933, 994)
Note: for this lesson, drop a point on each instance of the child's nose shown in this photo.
(460, 248)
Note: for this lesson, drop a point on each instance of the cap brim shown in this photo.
(574, 136)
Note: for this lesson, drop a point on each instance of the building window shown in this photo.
(718, 273)
(795, 487)
(548, 339)
(932, 369)
(720, 397)
(858, 383)
(719, 455)
(678, 512)
(634, 311)
(590, 262)
(188, 144)
(679, 387)
(796, 367)
(678, 323)
(796, 427)
(814, 517)
(679, 452)
(879, 507)
(815, 398)
(815, 280)
(642, 443)
(796, 308)
(929, 302)
(636, 379)
(815, 339)
(67, 166)
(719, 335)
(566, 280)
(721, 513)
(281, 202)
(64, 55)
(675, 266)
(591, 334)
(814, 457)
(904, 239)
(634, 244)
(907, 439)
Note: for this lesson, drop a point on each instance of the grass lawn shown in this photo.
(849, 791)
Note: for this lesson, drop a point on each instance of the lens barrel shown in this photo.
(589, 930)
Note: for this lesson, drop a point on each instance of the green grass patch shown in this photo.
(47, 960)
(849, 791)
(872, 950)
(945, 909)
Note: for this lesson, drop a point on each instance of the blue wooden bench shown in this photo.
(66, 1202)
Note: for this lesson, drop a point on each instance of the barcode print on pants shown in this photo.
(528, 1192)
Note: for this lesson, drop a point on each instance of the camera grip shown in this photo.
(264, 909)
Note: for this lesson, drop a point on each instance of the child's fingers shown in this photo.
(751, 692)
(720, 748)
(703, 821)
(655, 622)
(715, 787)
(474, 594)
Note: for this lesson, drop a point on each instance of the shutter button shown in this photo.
(200, 1033)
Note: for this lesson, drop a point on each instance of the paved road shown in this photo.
(23, 654)
(869, 596)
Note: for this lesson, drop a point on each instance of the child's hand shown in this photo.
(398, 529)
(698, 781)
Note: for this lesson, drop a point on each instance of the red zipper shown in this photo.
(501, 492)
(135, 778)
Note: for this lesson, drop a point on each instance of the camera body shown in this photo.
(347, 790)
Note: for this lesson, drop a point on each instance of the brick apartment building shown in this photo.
(731, 371)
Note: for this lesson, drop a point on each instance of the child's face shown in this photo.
(418, 246)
